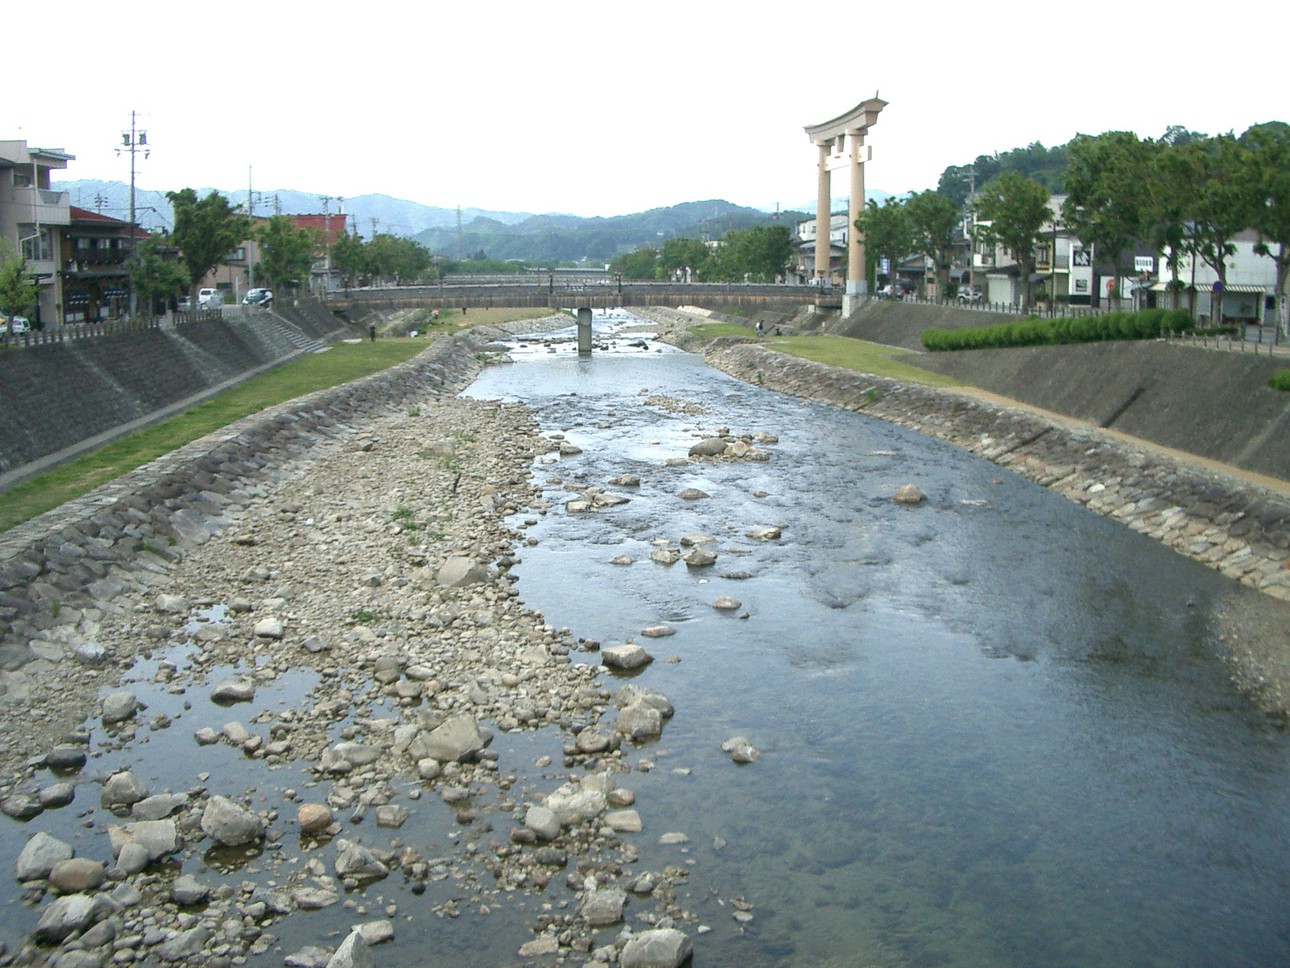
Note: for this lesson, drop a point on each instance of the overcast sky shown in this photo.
(604, 109)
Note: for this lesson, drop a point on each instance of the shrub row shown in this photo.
(1280, 380)
(1147, 324)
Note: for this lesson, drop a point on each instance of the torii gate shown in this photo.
(832, 138)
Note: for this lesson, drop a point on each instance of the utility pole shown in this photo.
(250, 243)
(133, 142)
(326, 200)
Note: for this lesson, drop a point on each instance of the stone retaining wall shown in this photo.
(58, 395)
(55, 569)
(1241, 530)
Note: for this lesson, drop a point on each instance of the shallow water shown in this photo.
(996, 727)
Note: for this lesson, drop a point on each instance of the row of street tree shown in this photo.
(1182, 194)
(207, 229)
(758, 254)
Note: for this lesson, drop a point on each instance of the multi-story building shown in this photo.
(95, 255)
(805, 243)
(33, 219)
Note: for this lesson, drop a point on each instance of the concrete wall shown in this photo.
(1215, 404)
(57, 396)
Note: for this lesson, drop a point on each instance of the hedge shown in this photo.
(1034, 331)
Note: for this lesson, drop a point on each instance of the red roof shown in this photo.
(85, 215)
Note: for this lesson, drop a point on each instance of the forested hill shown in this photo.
(569, 238)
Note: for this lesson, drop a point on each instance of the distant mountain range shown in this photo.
(461, 233)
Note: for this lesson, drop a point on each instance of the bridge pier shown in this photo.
(584, 330)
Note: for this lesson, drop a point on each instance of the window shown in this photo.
(36, 247)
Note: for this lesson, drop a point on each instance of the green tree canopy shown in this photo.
(154, 275)
(1267, 170)
(679, 254)
(396, 259)
(1105, 202)
(286, 253)
(206, 230)
(349, 258)
(1011, 210)
(638, 265)
(887, 233)
(17, 285)
(932, 220)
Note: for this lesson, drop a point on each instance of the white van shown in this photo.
(207, 298)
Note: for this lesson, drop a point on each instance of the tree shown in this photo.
(153, 276)
(887, 233)
(1267, 167)
(636, 265)
(395, 258)
(1105, 203)
(1166, 195)
(1223, 206)
(680, 254)
(762, 252)
(932, 220)
(286, 252)
(206, 231)
(17, 286)
(1013, 208)
(349, 258)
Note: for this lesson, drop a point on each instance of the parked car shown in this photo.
(183, 304)
(897, 290)
(969, 294)
(16, 325)
(258, 297)
(207, 298)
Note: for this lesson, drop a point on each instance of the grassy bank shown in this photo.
(849, 354)
(317, 371)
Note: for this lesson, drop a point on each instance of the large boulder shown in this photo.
(454, 740)
(458, 572)
(229, 824)
(658, 948)
(39, 856)
(71, 914)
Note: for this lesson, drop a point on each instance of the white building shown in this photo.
(1250, 294)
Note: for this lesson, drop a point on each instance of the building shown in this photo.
(804, 243)
(236, 274)
(95, 266)
(1249, 295)
(33, 219)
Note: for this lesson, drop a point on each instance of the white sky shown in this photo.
(593, 108)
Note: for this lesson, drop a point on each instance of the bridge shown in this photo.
(563, 295)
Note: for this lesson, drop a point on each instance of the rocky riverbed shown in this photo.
(376, 561)
(332, 598)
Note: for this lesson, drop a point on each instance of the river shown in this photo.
(996, 729)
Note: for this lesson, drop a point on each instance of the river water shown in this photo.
(996, 728)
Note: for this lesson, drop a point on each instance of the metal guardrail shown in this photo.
(73, 332)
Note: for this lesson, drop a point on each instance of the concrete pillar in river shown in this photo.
(584, 331)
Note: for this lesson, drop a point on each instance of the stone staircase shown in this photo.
(305, 344)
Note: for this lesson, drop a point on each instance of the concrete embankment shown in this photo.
(64, 397)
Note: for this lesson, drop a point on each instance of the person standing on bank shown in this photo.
(371, 331)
